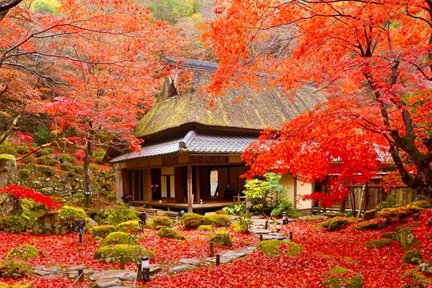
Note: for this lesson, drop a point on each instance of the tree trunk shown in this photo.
(87, 157)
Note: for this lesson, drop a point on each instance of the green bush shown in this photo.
(42, 134)
(98, 156)
(340, 277)
(217, 220)
(24, 173)
(161, 221)
(116, 215)
(205, 228)
(102, 231)
(115, 238)
(172, 10)
(412, 257)
(78, 169)
(166, 232)
(14, 224)
(243, 223)
(424, 204)
(47, 160)
(389, 202)
(192, 220)
(221, 238)
(23, 252)
(66, 158)
(378, 243)
(67, 166)
(131, 226)
(8, 148)
(285, 206)
(47, 171)
(335, 224)
(22, 149)
(235, 209)
(279, 247)
(44, 152)
(29, 159)
(131, 253)
(13, 268)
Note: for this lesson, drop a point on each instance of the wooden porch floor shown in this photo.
(211, 205)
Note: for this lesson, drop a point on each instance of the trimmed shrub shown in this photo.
(116, 215)
(72, 214)
(378, 243)
(235, 209)
(335, 224)
(47, 171)
(44, 151)
(242, 225)
(23, 252)
(131, 253)
(102, 231)
(131, 226)
(166, 232)
(192, 220)
(221, 238)
(13, 268)
(67, 166)
(22, 149)
(47, 160)
(115, 238)
(412, 257)
(285, 206)
(66, 158)
(7, 148)
(279, 247)
(161, 221)
(217, 220)
(340, 277)
(205, 227)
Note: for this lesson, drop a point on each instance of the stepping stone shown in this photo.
(122, 274)
(154, 268)
(273, 236)
(180, 268)
(76, 268)
(108, 282)
(44, 271)
(257, 230)
(190, 261)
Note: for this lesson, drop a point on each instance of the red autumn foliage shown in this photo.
(22, 192)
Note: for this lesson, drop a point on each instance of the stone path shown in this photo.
(126, 278)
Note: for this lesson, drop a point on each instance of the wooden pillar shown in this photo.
(295, 193)
(189, 188)
(197, 183)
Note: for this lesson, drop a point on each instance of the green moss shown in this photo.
(23, 252)
(116, 215)
(166, 232)
(205, 227)
(14, 224)
(340, 277)
(131, 253)
(192, 220)
(414, 278)
(13, 268)
(412, 256)
(131, 226)
(217, 220)
(115, 238)
(279, 247)
(32, 210)
(405, 237)
(374, 224)
(72, 214)
(221, 238)
(161, 221)
(102, 230)
(8, 157)
(378, 243)
(335, 224)
(388, 235)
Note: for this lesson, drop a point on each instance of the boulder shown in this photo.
(50, 224)
(8, 170)
(10, 204)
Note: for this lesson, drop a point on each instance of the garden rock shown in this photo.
(180, 268)
(125, 275)
(273, 236)
(10, 204)
(50, 224)
(154, 268)
(190, 261)
(8, 170)
(108, 282)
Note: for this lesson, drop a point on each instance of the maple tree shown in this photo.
(373, 61)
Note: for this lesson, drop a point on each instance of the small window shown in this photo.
(214, 176)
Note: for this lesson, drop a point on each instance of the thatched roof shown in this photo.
(256, 110)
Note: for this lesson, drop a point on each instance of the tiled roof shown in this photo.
(191, 143)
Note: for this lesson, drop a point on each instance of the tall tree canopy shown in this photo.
(371, 58)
